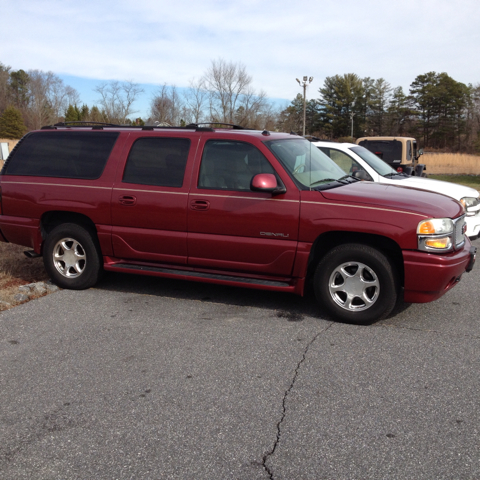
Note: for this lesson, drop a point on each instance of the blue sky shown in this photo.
(159, 42)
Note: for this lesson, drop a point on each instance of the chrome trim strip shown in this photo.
(148, 191)
(244, 198)
(57, 185)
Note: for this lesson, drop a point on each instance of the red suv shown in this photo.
(231, 206)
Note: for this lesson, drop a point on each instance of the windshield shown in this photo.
(305, 162)
(376, 163)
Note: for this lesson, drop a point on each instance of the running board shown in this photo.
(200, 276)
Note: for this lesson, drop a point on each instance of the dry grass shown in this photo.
(15, 270)
(451, 163)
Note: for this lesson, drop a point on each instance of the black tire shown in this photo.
(356, 284)
(72, 257)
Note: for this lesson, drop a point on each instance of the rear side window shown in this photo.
(409, 150)
(157, 161)
(389, 151)
(62, 154)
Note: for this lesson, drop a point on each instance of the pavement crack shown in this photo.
(284, 402)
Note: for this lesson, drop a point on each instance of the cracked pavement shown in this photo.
(157, 379)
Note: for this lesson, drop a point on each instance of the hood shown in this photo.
(430, 204)
(447, 188)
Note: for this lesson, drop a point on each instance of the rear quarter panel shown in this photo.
(25, 199)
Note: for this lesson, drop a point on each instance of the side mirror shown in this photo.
(420, 152)
(362, 175)
(266, 182)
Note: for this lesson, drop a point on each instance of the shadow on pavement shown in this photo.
(287, 305)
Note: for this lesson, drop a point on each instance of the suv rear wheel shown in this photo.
(72, 257)
(356, 283)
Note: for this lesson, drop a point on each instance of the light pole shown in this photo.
(352, 114)
(306, 81)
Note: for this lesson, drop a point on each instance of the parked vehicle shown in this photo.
(363, 164)
(399, 152)
(229, 206)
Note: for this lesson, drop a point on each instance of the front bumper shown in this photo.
(428, 276)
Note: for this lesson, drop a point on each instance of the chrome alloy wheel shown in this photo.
(69, 257)
(354, 286)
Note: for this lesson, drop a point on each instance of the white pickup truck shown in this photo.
(362, 163)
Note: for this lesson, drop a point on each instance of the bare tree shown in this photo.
(227, 83)
(195, 98)
(117, 98)
(232, 98)
(48, 98)
(167, 106)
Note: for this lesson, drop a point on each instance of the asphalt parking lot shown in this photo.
(145, 378)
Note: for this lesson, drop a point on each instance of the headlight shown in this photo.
(435, 226)
(435, 235)
(471, 204)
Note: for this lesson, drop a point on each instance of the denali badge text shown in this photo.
(270, 234)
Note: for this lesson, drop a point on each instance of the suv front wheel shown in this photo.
(356, 283)
(72, 257)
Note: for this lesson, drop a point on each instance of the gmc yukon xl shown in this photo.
(230, 206)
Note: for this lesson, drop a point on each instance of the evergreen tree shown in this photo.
(401, 114)
(341, 98)
(72, 114)
(291, 118)
(11, 124)
(377, 101)
(84, 113)
(96, 115)
(19, 87)
(441, 102)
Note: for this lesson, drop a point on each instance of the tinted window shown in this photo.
(389, 151)
(230, 165)
(157, 161)
(62, 154)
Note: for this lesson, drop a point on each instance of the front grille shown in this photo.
(459, 231)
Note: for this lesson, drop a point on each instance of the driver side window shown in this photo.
(230, 165)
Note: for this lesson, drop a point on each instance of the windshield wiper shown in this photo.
(345, 180)
(324, 180)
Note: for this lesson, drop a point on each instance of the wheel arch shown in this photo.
(325, 242)
(52, 219)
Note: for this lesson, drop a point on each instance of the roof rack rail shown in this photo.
(99, 125)
(85, 123)
(223, 124)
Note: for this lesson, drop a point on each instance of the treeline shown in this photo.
(439, 111)
(224, 94)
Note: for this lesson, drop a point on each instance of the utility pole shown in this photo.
(306, 81)
(352, 114)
